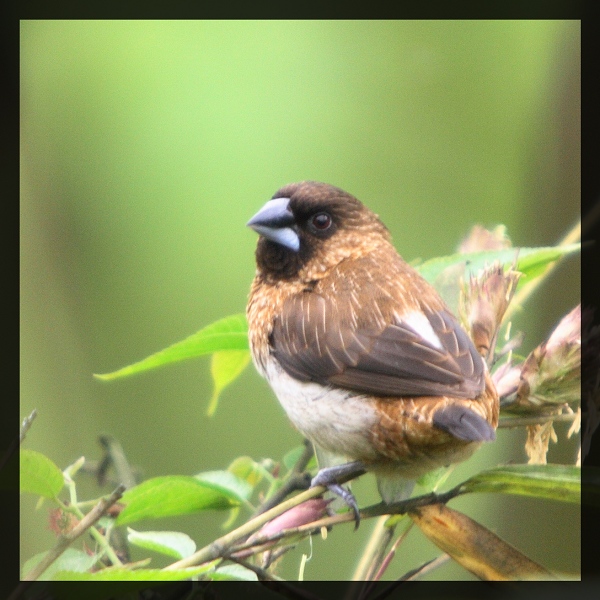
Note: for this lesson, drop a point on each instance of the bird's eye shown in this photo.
(321, 221)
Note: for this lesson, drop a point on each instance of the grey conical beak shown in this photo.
(275, 221)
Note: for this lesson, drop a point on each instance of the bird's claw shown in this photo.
(327, 478)
(348, 497)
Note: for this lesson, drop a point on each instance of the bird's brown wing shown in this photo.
(314, 341)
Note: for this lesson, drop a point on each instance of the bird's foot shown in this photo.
(329, 476)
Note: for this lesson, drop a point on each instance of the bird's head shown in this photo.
(308, 228)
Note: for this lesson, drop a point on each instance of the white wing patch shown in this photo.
(419, 323)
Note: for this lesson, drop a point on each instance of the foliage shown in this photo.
(274, 523)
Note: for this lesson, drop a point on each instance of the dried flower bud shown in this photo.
(480, 238)
(61, 522)
(538, 440)
(484, 301)
(506, 379)
(551, 374)
(304, 513)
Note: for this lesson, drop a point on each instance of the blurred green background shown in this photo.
(147, 145)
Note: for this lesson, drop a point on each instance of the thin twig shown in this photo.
(385, 563)
(223, 548)
(12, 447)
(380, 537)
(426, 568)
(27, 422)
(223, 545)
(115, 455)
(65, 540)
(297, 480)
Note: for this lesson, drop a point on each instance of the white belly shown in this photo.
(337, 420)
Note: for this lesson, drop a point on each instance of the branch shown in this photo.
(222, 546)
(425, 568)
(115, 455)
(376, 510)
(297, 480)
(66, 539)
(378, 542)
(27, 421)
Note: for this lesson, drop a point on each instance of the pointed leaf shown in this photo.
(474, 547)
(445, 272)
(39, 475)
(553, 482)
(228, 484)
(70, 560)
(170, 543)
(172, 495)
(124, 574)
(530, 261)
(230, 333)
(225, 367)
(248, 469)
(233, 573)
(291, 458)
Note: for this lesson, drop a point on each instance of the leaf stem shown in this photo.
(379, 536)
(297, 479)
(65, 540)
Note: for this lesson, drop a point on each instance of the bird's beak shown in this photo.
(275, 221)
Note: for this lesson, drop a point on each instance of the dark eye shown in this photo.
(321, 221)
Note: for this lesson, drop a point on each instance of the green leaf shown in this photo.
(433, 480)
(230, 333)
(445, 272)
(232, 486)
(530, 261)
(123, 574)
(248, 469)
(71, 559)
(39, 475)
(233, 573)
(553, 482)
(291, 458)
(170, 543)
(172, 495)
(228, 484)
(225, 367)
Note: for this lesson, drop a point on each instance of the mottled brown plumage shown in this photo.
(363, 354)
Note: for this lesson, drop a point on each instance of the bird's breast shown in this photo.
(335, 419)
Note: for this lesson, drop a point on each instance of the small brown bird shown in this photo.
(363, 354)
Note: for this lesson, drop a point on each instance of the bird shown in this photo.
(363, 354)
